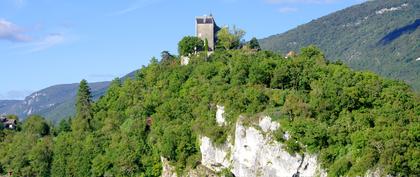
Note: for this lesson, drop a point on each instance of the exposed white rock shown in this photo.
(375, 173)
(185, 60)
(29, 112)
(215, 158)
(199, 171)
(286, 136)
(418, 59)
(256, 154)
(266, 124)
(220, 119)
(167, 169)
(384, 10)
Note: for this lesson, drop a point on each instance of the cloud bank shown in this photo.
(11, 32)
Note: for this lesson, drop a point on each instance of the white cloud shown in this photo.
(301, 1)
(48, 41)
(19, 3)
(11, 32)
(134, 7)
(43, 43)
(287, 9)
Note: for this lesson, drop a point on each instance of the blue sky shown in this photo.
(48, 42)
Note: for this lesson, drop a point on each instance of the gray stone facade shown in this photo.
(206, 28)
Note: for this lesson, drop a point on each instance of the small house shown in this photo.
(8, 123)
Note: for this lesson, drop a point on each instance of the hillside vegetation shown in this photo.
(355, 121)
(381, 36)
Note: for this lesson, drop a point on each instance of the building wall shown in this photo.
(206, 31)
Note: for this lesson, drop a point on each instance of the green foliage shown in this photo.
(355, 121)
(36, 125)
(229, 38)
(28, 152)
(83, 117)
(64, 126)
(206, 46)
(189, 45)
(254, 44)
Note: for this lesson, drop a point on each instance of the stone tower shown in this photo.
(206, 28)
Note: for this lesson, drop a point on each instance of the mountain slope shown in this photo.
(382, 36)
(55, 102)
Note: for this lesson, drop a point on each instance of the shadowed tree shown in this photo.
(254, 44)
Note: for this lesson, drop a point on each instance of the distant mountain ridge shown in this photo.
(382, 36)
(54, 103)
(52, 99)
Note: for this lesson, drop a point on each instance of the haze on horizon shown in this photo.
(44, 43)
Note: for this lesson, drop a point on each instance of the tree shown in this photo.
(311, 52)
(166, 57)
(36, 125)
(254, 44)
(64, 126)
(229, 39)
(190, 44)
(83, 108)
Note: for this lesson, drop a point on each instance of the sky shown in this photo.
(50, 42)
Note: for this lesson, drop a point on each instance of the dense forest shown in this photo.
(381, 36)
(355, 121)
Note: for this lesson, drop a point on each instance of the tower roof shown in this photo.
(204, 19)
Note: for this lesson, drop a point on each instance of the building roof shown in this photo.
(10, 121)
(204, 20)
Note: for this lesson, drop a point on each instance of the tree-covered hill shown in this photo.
(380, 35)
(354, 121)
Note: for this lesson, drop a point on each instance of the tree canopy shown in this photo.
(254, 44)
(354, 121)
(189, 45)
(229, 38)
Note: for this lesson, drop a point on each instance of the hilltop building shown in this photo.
(206, 28)
(8, 123)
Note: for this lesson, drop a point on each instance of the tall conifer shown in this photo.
(83, 108)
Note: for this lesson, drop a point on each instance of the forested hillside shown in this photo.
(381, 36)
(355, 121)
(54, 103)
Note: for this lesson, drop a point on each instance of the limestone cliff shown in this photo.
(253, 152)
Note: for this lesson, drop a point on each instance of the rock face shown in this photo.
(219, 115)
(167, 169)
(199, 171)
(255, 153)
(185, 60)
(215, 158)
